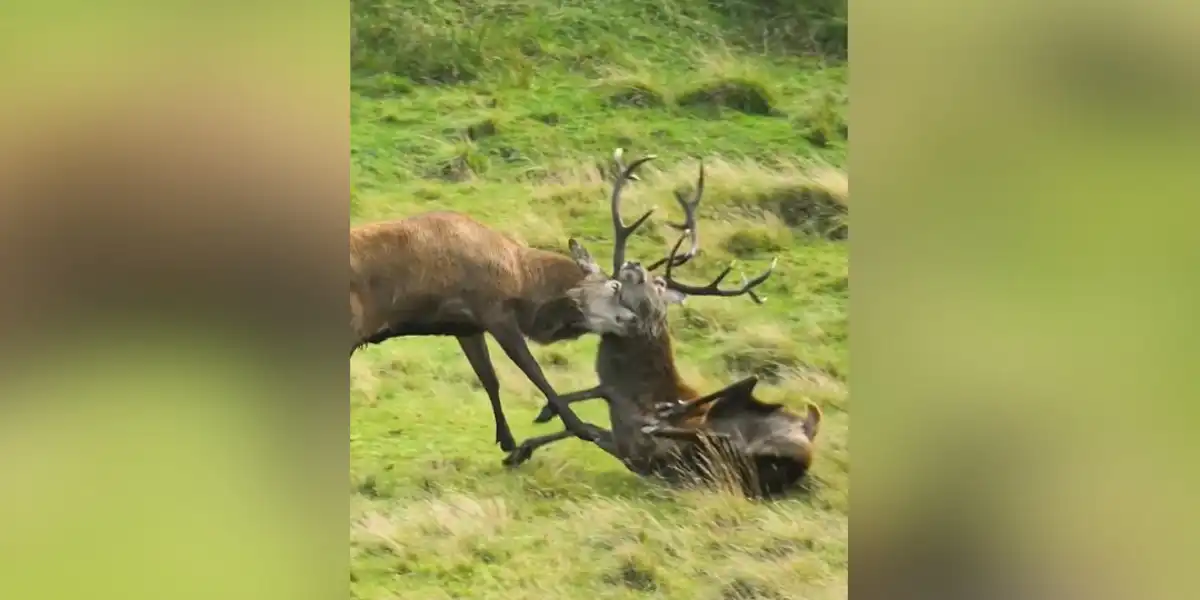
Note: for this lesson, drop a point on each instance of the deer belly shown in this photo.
(434, 317)
(435, 328)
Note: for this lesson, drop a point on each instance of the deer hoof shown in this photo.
(518, 456)
(665, 410)
(546, 415)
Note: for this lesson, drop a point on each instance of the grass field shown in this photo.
(503, 109)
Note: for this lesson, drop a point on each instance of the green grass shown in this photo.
(504, 110)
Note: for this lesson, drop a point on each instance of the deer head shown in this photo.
(606, 310)
(597, 297)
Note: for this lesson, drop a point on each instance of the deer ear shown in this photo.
(671, 296)
(812, 421)
(582, 257)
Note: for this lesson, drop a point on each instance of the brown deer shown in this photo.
(446, 274)
(660, 425)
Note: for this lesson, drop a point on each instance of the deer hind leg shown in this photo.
(548, 412)
(604, 440)
(476, 350)
(682, 433)
(513, 343)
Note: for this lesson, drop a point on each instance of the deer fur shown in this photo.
(445, 274)
(663, 427)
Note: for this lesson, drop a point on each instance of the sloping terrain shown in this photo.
(504, 110)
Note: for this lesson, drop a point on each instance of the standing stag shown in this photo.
(445, 274)
(660, 425)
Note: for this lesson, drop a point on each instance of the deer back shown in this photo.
(444, 273)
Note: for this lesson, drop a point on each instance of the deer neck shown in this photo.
(545, 312)
(641, 368)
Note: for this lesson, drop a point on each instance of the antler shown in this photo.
(621, 232)
(713, 289)
(688, 226)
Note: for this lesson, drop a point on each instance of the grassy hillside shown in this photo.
(504, 109)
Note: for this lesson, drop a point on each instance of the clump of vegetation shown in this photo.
(765, 351)
(383, 85)
(460, 162)
(481, 129)
(549, 118)
(756, 240)
(634, 574)
(746, 589)
(742, 95)
(803, 198)
(384, 40)
(766, 363)
(638, 94)
(810, 202)
(700, 322)
(808, 209)
(819, 27)
(823, 121)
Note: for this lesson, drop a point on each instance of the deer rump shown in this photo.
(729, 438)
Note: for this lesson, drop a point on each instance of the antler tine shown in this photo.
(621, 232)
(713, 287)
(750, 291)
(689, 224)
(617, 154)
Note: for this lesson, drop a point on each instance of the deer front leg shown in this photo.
(604, 439)
(476, 350)
(681, 433)
(548, 413)
(672, 411)
(513, 343)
